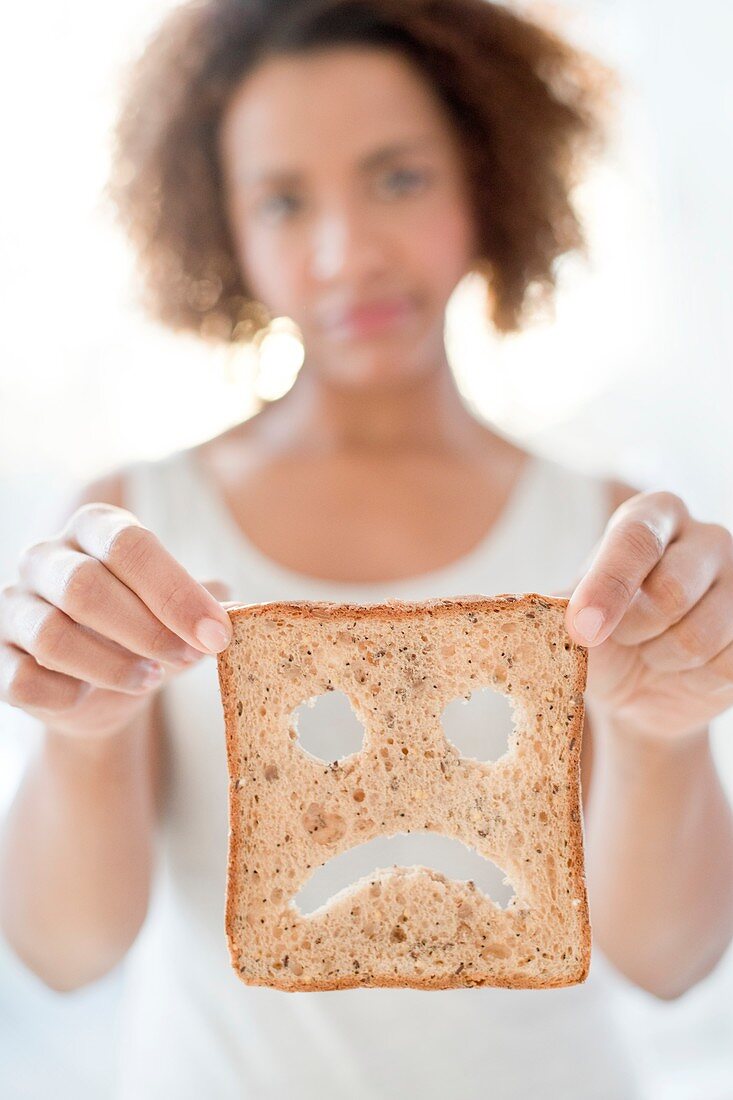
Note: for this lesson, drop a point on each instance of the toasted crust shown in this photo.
(248, 948)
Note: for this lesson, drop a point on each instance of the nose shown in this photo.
(346, 244)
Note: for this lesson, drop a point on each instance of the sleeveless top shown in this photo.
(189, 1027)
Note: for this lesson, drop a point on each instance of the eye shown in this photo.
(400, 180)
(277, 205)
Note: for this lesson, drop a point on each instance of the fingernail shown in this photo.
(213, 635)
(151, 674)
(588, 623)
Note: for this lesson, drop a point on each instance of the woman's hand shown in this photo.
(661, 661)
(93, 611)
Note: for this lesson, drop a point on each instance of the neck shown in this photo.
(424, 414)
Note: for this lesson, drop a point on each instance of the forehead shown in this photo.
(327, 103)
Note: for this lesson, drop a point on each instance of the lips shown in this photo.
(370, 317)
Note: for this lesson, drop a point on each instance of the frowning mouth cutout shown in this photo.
(404, 862)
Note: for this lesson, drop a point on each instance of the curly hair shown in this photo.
(527, 105)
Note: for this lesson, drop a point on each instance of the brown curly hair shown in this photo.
(528, 107)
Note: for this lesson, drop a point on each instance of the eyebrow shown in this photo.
(371, 160)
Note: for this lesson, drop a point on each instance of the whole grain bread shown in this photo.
(400, 663)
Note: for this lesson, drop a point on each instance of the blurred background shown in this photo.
(633, 377)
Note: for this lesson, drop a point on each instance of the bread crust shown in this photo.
(403, 611)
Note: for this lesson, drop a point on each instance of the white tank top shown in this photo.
(189, 1026)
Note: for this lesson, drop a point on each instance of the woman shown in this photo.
(345, 165)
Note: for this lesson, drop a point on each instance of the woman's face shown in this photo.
(348, 207)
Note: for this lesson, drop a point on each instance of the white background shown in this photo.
(633, 377)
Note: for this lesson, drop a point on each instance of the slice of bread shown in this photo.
(400, 663)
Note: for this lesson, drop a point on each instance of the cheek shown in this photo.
(270, 266)
(440, 247)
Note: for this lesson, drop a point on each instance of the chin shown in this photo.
(375, 372)
(373, 364)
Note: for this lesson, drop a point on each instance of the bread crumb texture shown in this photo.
(400, 663)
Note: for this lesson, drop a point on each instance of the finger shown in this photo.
(635, 540)
(135, 555)
(61, 645)
(675, 585)
(714, 678)
(23, 683)
(90, 595)
(698, 637)
(40, 691)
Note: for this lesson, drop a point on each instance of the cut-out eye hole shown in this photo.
(479, 726)
(327, 727)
